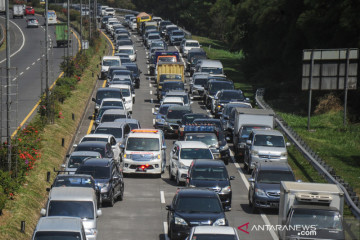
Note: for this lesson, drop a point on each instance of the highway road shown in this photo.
(142, 213)
(28, 67)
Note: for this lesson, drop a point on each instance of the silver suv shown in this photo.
(264, 146)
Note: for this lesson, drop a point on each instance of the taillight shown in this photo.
(144, 166)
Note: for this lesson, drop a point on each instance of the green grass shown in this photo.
(32, 196)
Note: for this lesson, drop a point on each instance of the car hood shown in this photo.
(200, 218)
(269, 187)
(100, 182)
(263, 150)
(173, 120)
(89, 223)
(210, 183)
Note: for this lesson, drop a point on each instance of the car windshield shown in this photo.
(134, 69)
(111, 117)
(176, 114)
(125, 92)
(198, 205)
(142, 144)
(170, 76)
(209, 139)
(187, 119)
(323, 219)
(215, 236)
(134, 126)
(212, 70)
(111, 62)
(163, 109)
(97, 139)
(73, 182)
(125, 60)
(115, 131)
(209, 173)
(195, 153)
(269, 141)
(176, 33)
(192, 44)
(157, 44)
(127, 51)
(81, 209)
(91, 149)
(274, 177)
(108, 94)
(54, 235)
(229, 95)
(97, 172)
(124, 43)
(154, 37)
(217, 86)
(113, 103)
(76, 161)
(200, 81)
(246, 130)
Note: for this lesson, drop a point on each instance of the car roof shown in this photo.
(200, 74)
(142, 133)
(125, 46)
(191, 144)
(226, 230)
(267, 132)
(108, 89)
(111, 58)
(112, 99)
(71, 194)
(276, 166)
(126, 120)
(210, 63)
(85, 153)
(196, 192)
(97, 162)
(115, 111)
(176, 93)
(59, 224)
(209, 163)
(120, 86)
(230, 90)
(79, 175)
(190, 40)
(98, 136)
(173, 99)
(116, 124)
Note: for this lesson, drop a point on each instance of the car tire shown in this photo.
(253, 208)
(121, 196)
(170, 175)
(172, 235)
(226, 161)
(178, 183)
(112, 200)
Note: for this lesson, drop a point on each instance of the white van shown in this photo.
(144, 152)
(109, 61)
(128, 49)
(74, 202)
(212, 67)
(127, 95)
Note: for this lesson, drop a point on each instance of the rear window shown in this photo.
(176, 114)
(45, 235)
(112, 117)
(81, 209)
(111, 62)
(116, 132)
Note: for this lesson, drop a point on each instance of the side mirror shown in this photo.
(48, 189)
(122, 146)
(175, 157)
(43, 212)
(299, 180)
(155, 113)
(216, 98)
(227, 208)
(226, 117)
(157, 109)
(98, 212)
(75, 145)
(248, 142)
(113, 147)
(67, 155)
(191, 102)
(227, 139)
(191, 98)
(63, 165)
(231, 177)
(168, 207)
(163, 147)
(288, 144)
(247, 99)
(93, 99)
(251, 180)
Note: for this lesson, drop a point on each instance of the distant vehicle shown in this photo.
(61, 33)
(108, 61)
(133, 123)
(103, 148)
(18, 11)
(128, 49)
(206, 232)
(29, 10)
(223, 97)
(109, 12)
(75, 159)
(173, 115)
(2, 7)
(190, 44)
(32, 22)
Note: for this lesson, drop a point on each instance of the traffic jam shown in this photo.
(202, 125)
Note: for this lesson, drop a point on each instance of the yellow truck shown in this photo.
(142, 17)
(169, 71)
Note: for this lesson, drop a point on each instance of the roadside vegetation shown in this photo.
(39, 145)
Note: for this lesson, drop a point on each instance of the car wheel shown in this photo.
(121, 196)
(254, 209)
(112, 200)
(250, 203)
(226, 161)
(177, 179)
(172, 235)
(170, 175)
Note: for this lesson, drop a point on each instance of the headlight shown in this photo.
(128, 101)
(284, 154)
(183, 166)
(226, 190)
(220, 222)
(105, 188)
(166, 123)
(192, 186)
(128, 156)
(91, 231)
(254, 152)
(156, 156)
(259, 192)
(159, 120)
(225, 147)
(180, 221)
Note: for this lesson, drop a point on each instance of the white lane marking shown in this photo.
(152, 110)
(166, 231)
(263, 216)
(27, 68)
(38, 59)
(162, 196)
(43, 55)
(182, 59)
(33, 63)
(14, 79)
(150, 92)
(153, 121)
(152, 100)
(22, 45)
(21, 73)
(150, 85)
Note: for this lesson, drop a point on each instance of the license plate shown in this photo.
(140, 170)
(274, 204)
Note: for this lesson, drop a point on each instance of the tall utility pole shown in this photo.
(8, 85)
(47, 56)
(89, 22)
(81, 24)
(68, 30)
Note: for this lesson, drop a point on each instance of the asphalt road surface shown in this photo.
(142, 213)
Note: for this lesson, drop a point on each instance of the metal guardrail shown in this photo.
(311, 156)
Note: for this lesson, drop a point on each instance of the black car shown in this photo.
(211, 174)
(223, 97)
(104, 148)
(190, 117)
(133, 67)
(101, 111)
(193, 207)
(107, 176)
(77, 180)
(105, 93)
(213, 85)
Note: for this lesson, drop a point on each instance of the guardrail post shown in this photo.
(22, 227)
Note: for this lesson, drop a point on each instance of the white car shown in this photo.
(182, 155)
(109, 61)
(130, 50)
(109, 12)
(127, 95)
(133, 24)
(110, 24)
(190, 44)
(104, 138)
(218, 232)
(112, 102)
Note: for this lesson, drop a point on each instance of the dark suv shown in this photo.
(193, 207)
(107, 176)
(264, 190)
(173, 115)
(213, 85)
(211, 174)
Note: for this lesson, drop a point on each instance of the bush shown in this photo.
(328, 103)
